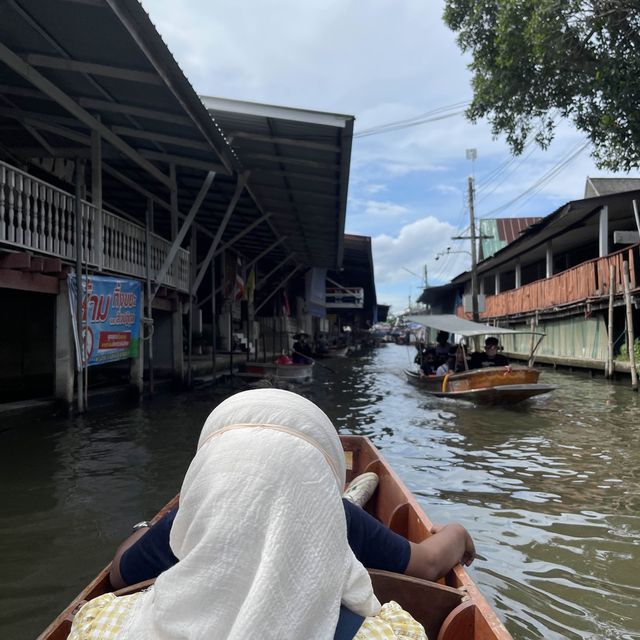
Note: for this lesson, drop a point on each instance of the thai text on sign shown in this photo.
(111, 312)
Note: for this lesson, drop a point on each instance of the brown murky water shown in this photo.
(550, 490)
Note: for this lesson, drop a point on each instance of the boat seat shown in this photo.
(428, 602)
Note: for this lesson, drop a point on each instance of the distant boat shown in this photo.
(286, 372)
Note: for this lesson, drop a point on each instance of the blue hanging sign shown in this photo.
(111, 313)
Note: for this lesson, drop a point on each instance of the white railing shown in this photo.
(37, 216)
(345, 297)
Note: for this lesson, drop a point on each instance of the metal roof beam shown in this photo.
(181, 161)
(264, 279)
(151, 196)
(299, 161)
(242, 233)
(291, 142)
(177, 241)
(29, 73)
(162, 137)
(273, 293)
(76, 66)
(242, 181)
(269, 249)
(300, 192)
(292, 174)
(131, 110)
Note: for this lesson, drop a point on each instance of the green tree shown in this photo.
(535, 60)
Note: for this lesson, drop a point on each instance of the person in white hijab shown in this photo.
(260, 535)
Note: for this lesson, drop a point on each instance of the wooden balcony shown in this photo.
(39, 217)
(587, 281)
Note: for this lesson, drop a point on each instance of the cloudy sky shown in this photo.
(385, 62)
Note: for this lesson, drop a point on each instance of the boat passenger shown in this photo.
(302, 353)
(490, 357)
(428, 363)
(261, 539)
(443, 346)
(454, 363)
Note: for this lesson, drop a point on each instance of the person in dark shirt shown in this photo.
(301, 350)
(429, 362)
(489, 357)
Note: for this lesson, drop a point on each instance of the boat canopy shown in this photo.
(460, 326)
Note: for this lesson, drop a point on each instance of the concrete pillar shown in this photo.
(497, 282)
(136, 372)
(65, 351)
(481, 292)
(603, 232)
(518, 274)
(549, 259)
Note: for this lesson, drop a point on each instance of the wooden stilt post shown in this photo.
(612, 292)
(630, 335)
(79, 185)
(149, 324)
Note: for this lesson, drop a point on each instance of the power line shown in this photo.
(441, 113)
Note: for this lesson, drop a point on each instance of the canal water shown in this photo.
(550, 490)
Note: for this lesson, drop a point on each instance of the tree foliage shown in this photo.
(534, 61)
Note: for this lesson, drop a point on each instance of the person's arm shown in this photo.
(114, 574)
(434, 557)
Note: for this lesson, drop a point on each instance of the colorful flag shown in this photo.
(251, 284)
(238, 287)
(286, 309)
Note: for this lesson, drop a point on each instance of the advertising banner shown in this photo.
(111, 313)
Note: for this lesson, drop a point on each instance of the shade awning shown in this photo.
(454, 324)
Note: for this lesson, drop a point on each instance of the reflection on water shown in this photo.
(550, 490)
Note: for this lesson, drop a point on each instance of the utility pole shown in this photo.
(474, 258)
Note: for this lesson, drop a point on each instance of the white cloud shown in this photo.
(372, 189)
(387, 209)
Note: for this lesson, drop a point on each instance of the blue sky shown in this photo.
(383, 61)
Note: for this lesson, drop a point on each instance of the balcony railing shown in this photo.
(37, 216)
(345, 297)
(586, 281)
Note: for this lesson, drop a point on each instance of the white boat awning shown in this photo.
(454, 324)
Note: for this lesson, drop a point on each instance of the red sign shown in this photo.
(115, 339)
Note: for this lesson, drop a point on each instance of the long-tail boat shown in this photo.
(450, 609)
(489, 385)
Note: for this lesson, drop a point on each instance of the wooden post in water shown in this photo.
(612, 291)
(630, 336)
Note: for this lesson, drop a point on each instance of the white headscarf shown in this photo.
(260, 533)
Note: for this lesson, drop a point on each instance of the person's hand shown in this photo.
(507, 368)
(469, 552)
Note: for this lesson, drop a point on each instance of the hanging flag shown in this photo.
(238, 287)
(251, 284)
(286, 309)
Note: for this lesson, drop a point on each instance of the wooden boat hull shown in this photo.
(287, 372)
(492, 385)
(490, 377)
(451, 609)
(505, 394)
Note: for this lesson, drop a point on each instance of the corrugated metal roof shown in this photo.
(607, 186)
(500, 232)
(299, 166)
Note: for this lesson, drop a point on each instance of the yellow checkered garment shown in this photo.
(102, 618)
(392, 623)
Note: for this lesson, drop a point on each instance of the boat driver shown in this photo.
(490, 357)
